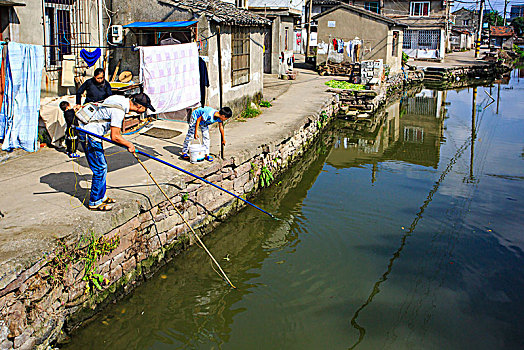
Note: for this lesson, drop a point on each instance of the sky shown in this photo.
(498, 5)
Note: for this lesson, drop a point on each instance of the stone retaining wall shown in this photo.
(47, 299)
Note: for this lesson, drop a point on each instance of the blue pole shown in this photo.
(177, 168)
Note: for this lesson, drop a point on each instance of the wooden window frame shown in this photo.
(240, 56)
(420, 13)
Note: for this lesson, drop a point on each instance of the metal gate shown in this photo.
(421, 40)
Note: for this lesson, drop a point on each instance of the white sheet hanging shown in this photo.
(170, 76)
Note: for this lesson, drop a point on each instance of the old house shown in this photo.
(229, 38)
(425, 36)
(280, 38)
(465, 19)
(379, 37)
(501, 37)
(63, 27)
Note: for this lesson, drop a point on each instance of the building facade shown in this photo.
(280, 38)
(63, 27)
(428, 22)
(380, 36)
(238, 32)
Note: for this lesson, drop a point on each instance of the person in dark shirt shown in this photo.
(97, 88)
(71, 135)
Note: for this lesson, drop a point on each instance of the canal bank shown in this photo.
(403, 237)
(48, 234)
(61, 263)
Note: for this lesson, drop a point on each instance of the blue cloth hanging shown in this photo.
(21, 105)
(90, 57)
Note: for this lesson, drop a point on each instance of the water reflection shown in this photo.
(401, 231)
(409, 130)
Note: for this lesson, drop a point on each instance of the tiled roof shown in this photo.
(361, 11)
(502, 31)
(222, 12)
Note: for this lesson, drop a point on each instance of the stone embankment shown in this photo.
(78, 278)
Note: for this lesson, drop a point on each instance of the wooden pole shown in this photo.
(200, 243)
(308, 28)
(220, 87)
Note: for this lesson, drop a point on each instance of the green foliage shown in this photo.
(185, 197)
(92, 250)
(494, 19)
(254, 168)
(405, 58)
(43, 136)
(338, 84)
(518, 25)
(265, 104)
(249, 112)
(266, 177)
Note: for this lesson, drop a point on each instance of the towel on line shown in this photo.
(171, 76)
(90, 57)
(24, 65)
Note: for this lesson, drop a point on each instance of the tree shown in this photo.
(518, 25)
(494, 19)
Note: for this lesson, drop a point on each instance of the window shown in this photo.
(240, 56)
(419, 9)
(372, 6)
(66, 30)
(413, 134)
(394, 46)
(465, 22)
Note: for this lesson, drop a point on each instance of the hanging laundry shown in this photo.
(68, 70)
(349, 49)
(171, 76)
(24, 65)
(204, 80)
(340, 46)
(90, 57)
(169, 41)
(335, 45)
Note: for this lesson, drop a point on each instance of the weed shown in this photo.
(265, 104)
(266, 176)
(68, 255)
(185, 197)
(249, 112)
(254, 169)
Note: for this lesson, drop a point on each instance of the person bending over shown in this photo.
(202, 118)
(109, 118)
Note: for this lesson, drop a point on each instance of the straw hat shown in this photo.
(125, 77)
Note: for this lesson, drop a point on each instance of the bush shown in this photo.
(405, 58)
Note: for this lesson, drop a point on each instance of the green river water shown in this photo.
(402, 233)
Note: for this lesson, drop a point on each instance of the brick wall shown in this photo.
(35, 308)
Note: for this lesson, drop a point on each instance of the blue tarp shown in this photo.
(146, 25)
(21, 105)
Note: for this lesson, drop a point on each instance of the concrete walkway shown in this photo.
(454, 60)
(44, 193)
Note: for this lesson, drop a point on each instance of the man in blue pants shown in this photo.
(202, 118)
(109, 118)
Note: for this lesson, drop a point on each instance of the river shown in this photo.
(404, 232)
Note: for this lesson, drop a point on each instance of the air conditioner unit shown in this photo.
(117, 34)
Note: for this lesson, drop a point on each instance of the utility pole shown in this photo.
(479, 34)
(308, 27)
(471, 178)
(448, 5)
(505, 8)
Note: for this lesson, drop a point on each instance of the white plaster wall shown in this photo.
(234, 93)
